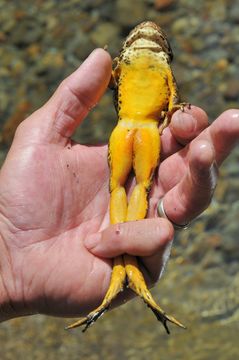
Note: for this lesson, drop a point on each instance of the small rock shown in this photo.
(53, 58)
(232, 90)
(17, 67)
(221, 64)
(3, 37)
(234, 14)
(26, 32)
(20, 14)
(33, 51)
(80, 46)
(198, 248)
(129, 13)
(218, 12)
(163, 4)
(50, 66)
(212, 259)
(9, 128)
(187, 26)
(91, 4)
(106, 10)
(104, 34)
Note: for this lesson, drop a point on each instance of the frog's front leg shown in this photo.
(114, 74)
(166, 116)
(173, 102)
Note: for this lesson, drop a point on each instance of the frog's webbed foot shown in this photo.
(137, 283)
(163, 317)
(167, 115)
(181, 106)
(113, 84)
(117, 281)
(89, 319)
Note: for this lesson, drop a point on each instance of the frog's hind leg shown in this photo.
(146, 156)
(137, 283)
(117, 281)
(120, 162)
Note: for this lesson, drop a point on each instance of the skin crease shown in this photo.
(56, 241)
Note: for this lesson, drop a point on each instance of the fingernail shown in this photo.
(95, 51)
(92, 240)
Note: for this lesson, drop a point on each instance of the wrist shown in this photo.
(5, 302)
(10, 307)
(6, 312)
(13, 300)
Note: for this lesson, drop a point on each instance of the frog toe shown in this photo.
(89, 319)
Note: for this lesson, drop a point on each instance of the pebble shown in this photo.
(129, 13)
(10, 126)
(80, 46)
(26, 32)
(51, 60)
(104, 34)
(234, 14)
(232, 90)
(188, 26)
(163, 4)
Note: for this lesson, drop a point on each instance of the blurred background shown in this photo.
(41, 42)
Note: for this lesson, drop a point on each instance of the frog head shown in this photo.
(148, 35)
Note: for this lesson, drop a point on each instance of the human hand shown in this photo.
(54, 204)
(53, 194)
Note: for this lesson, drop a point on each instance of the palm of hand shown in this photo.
(56, 198)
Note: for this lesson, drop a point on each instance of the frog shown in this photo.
(145, 97)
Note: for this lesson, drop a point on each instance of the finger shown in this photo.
(57, 120)
(139, 238)
(193, 193)
(184, 126)
(223, 134)
(188, 124)
(81, 91)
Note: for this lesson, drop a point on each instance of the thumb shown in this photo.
(139, 238)
(81, 91)
(76, 95)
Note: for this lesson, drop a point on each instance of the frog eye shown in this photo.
(169, 51)
(165, 44)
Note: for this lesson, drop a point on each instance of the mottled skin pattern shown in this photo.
(145, 98)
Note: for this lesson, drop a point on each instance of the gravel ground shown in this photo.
(41, 42)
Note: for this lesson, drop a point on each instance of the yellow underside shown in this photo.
(144, 90)
(144, 93)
